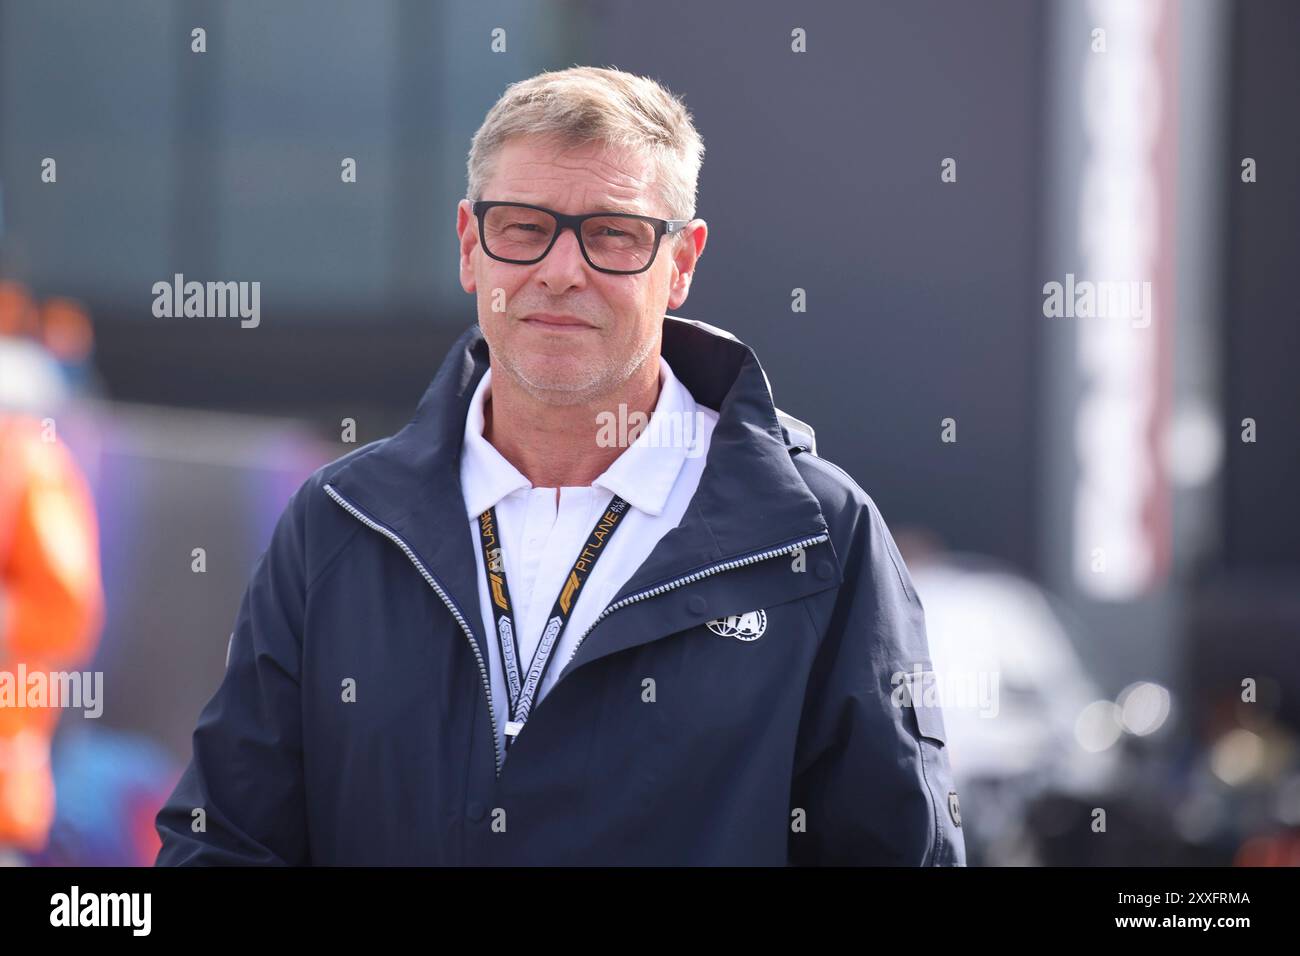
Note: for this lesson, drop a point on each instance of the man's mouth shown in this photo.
(557, 323)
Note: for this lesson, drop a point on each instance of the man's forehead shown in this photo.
(586, 174)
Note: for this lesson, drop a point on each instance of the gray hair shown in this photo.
(597, 104)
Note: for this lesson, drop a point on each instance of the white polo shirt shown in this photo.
(657, 475)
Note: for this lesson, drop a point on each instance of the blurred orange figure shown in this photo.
(19, 315)
(51, 609)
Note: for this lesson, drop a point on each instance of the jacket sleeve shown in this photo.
(871, 773)
(246, 773)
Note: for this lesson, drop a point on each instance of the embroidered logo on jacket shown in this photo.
(743, 627)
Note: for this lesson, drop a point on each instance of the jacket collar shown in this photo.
(750, 497)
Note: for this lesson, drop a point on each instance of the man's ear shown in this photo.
(686, 250)
(467, 236)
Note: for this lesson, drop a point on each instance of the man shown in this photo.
(520, 632)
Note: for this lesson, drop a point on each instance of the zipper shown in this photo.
(696, 576)
(446, 599)
(624, 602)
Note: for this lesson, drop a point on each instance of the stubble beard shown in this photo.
(607, 376)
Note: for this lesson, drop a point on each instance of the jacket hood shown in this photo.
(750, 497)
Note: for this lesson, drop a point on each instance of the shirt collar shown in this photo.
(643, 475)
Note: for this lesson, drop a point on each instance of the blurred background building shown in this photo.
(1097, 542)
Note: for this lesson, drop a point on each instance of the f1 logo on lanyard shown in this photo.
(523, 688)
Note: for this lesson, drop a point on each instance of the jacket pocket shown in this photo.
(927, 717)
(929, 723)
(932, 739)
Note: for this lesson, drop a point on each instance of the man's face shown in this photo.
(623, 314)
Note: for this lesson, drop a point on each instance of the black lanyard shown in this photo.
(522, 691)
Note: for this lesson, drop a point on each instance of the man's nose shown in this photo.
(564, 267)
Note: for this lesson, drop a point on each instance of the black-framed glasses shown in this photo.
(615, 242)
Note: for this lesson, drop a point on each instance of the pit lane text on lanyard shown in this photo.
(523, 690)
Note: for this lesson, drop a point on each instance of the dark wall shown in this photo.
(822, 172)
(1261, 343)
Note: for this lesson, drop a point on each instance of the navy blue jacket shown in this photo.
(663, 741)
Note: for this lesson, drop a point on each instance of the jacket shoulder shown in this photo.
(841, 497)
(855, 523)
(312, 529)
(311, 491)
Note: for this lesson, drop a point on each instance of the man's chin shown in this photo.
(565, 383)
